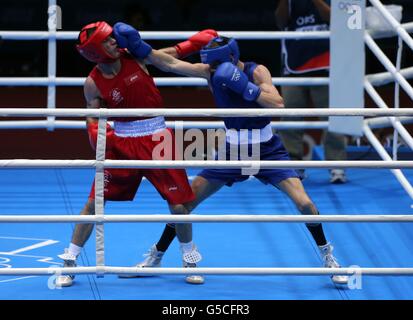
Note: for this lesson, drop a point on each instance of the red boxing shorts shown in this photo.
(122, 184)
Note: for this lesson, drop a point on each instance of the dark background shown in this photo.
(29, 58)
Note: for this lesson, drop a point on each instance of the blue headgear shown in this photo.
(221, 53)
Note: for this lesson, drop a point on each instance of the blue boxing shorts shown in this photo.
(272, 149)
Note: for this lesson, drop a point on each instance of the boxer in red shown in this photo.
(120, 81)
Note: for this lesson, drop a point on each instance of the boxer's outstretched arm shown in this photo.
(171, 51)
(168, 63)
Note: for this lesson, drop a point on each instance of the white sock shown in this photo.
(187, 247)
(326, 249)
(74, 249)
(325, 245)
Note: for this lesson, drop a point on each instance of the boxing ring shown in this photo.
(235, 235)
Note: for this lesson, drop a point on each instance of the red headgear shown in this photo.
(90, 46)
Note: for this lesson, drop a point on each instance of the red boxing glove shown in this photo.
(195, 43)
(92, 130)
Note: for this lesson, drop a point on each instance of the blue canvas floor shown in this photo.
(58, 191)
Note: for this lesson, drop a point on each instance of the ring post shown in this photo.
(51, 67)
(347, 63)
(99, 197)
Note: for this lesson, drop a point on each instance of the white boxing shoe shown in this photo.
(69, 261)
(190, 260)
(331, 262)
(152, 260)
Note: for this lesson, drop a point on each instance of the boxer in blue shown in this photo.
(236, 84)
(252, 89)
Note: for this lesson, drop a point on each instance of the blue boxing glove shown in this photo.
(230, 76)
(128, 37)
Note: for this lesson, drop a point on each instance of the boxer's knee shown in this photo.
(197, 184)
(178, 209)
(307, 207)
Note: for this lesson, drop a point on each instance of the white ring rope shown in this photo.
(378, 79)
(383, 122)
(153, 218)
(170, 35)
(408, 26)
(383, 78)
(203, 271)
(67, 124)
(373, 123)
(219, 164)
(159, 81)
(207, 112)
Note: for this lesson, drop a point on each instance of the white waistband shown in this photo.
(139, 128)
(251, 136)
